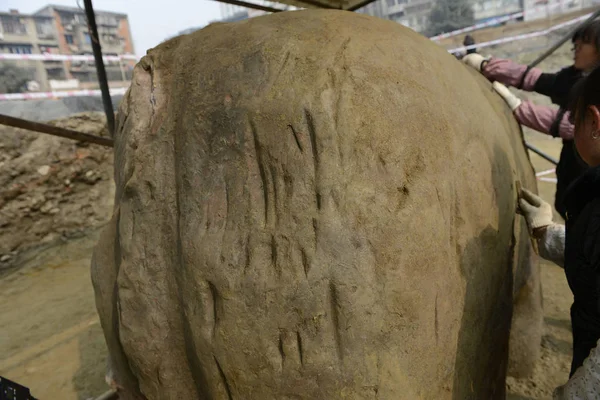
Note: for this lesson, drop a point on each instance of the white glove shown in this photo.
(536, 211)
(474, 60)
(513, 101)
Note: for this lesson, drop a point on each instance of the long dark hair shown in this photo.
(585, 93)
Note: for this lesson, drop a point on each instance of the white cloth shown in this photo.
(552, 244)
(474, 60)
(585, 382)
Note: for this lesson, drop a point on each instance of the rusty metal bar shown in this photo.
(54, 130)
(360, 5)
(542, 154)
(102, 80)
(318, 4)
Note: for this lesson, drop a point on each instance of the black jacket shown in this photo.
(582, 262)
(558, 87)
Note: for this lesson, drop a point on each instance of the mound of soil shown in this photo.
(50, 187)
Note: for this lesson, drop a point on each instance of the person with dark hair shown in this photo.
(575, 246)
(557, 86)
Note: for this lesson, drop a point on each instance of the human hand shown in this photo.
(475, 61)
(536, 211)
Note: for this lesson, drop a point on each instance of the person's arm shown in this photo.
(550, 236)
(511, 74)
(504, 71)
(543, 119)
(551, 243)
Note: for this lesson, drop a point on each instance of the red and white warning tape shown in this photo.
(53, 95)
(475, 27)
(64, 57)
(542, 178)
(522, 36)
(546, 172)
(495, 21)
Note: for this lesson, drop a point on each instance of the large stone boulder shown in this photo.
(315, 205)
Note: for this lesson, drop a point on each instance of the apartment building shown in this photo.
(32, 34)
(537, 9)
(411, 13)
(63, 30)
(232, 13)
(74, 38)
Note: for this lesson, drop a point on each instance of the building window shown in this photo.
(49, 50)
(390, 3)
(107, 20)
(87, 38)
(55, 73)
(13, 25)
(44, 29)
(66, 18)
(19, 49)
(418, 7)
(69, 39)
(397, 16)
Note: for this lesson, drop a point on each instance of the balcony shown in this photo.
(52, 63)
(46, 36)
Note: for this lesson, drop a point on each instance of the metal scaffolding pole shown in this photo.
(565, 38)
(542, 154)
(102, 80)
(54, 130)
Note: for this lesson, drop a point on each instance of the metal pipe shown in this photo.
(102, 80)
(541, 154)
(360, 5)
(54, 130)
(565, 38)
(318, 4)
(250, 5)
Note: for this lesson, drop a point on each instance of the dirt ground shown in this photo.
(51, 340)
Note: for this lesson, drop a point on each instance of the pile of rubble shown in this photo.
(52, 188)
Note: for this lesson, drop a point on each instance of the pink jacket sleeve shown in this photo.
(510, 73)
(540, 118)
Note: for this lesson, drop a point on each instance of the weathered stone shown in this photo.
(43, 170)
(314, 205)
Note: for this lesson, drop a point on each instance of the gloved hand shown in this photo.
(475, 60)
(536, 211)
(513, 101)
